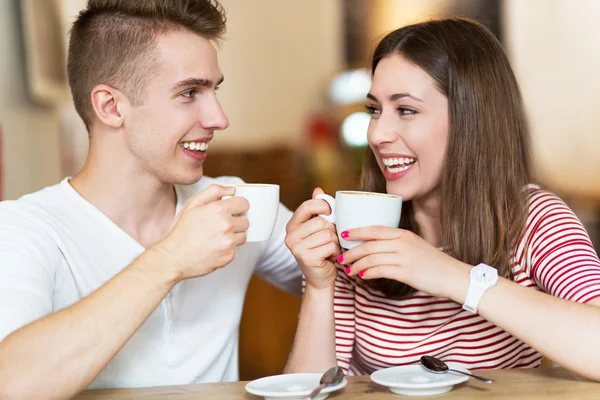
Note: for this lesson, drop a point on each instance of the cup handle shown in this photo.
(331, 201)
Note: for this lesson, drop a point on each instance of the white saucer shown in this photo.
(415, 380)
(290, 387)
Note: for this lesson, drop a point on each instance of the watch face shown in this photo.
(485, 275)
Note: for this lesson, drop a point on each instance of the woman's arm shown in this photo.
(314, 344)
(559, 258)
(325, 334)
(313, 242)
(562, 329)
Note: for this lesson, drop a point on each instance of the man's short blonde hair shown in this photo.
(113, 42)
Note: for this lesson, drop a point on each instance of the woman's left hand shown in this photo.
(403, 256)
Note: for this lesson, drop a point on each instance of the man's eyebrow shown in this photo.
(196, 82)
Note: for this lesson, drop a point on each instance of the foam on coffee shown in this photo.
(374, 194)
(256, 185)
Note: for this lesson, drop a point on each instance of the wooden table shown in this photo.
(529, 384)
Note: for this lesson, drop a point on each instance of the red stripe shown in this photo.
(412, 326)
(447, 340)
(544, 253)
(417, 296)
(395, 306)
(575, 265)
(447, 346)
(582, 287)
(556, 276)
(427, 316)
(360, 324)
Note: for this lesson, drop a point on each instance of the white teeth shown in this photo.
(398, 169)
(388, 162)
(397, 164)
(197, 146)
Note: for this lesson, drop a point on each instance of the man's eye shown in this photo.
(189, 94)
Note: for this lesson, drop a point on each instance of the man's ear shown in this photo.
(106, 103)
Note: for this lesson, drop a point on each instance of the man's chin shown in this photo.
(187, 177)
(191, 179)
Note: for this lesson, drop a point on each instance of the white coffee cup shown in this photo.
(264, 208)
(351, 209)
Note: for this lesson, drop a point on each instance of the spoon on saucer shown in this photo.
(331, 377)
(437, 366)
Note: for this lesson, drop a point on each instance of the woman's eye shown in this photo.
(372, 110)
(406, 111)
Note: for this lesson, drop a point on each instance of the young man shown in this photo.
(94, 271)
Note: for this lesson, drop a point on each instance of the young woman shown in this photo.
(485, 268)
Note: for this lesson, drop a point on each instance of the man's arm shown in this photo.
(60, 354)
(277, 264)
(57, 356)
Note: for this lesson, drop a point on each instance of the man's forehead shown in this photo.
(183, 55)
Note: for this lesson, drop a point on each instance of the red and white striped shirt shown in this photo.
(375, 332)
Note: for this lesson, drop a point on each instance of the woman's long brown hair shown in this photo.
(482, 188)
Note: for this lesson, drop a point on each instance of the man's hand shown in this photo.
(206, 232)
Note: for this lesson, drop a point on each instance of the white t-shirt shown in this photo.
(56, 248)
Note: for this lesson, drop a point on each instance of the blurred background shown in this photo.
(297, 75)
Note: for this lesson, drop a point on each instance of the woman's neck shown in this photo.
(427, 218)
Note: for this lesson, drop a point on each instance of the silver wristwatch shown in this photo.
(482, 277)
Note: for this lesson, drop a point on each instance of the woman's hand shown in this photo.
(403, 256)
(314, 243)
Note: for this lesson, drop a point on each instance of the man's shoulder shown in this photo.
(30, 221)
(43, 201)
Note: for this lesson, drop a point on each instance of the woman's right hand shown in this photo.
(314, 243)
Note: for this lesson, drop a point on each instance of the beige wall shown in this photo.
(277, 57)
(30, 145)
(554, 49)
(392, 14)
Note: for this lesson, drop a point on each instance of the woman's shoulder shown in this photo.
(548, 214)
(542, 200)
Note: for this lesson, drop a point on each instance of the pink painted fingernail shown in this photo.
(345, 234)
(340, 258)
(348, 270)
(361, 273)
